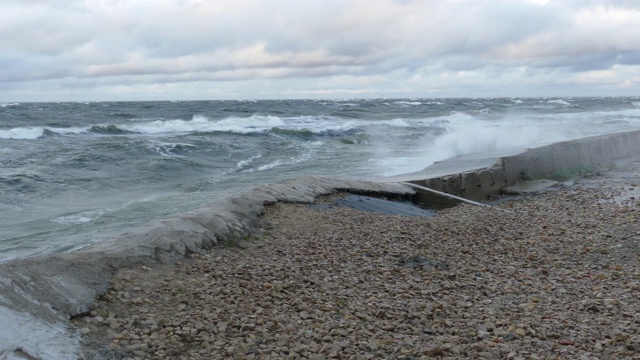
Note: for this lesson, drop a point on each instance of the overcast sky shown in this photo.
(248, 49)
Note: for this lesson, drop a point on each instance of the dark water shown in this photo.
(75, 173)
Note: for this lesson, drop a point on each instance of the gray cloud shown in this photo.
(252, 48)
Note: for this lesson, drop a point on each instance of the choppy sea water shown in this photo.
(76, 173)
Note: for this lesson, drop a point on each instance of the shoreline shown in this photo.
(557, 276)
(42, 293)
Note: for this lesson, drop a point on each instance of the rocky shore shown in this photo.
(550, 276)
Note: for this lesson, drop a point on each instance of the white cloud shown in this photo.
(250, 48)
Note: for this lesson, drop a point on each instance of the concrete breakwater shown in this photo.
(38, 296)
(481, 176)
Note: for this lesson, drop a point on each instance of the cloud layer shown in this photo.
(198, 49)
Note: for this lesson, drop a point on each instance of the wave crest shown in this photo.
(110, 129)
(22, 133)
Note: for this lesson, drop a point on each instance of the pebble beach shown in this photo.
(549, 276)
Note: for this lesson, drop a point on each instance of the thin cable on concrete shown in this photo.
(458, 198)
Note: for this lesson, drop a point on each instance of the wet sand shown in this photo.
(553, 275)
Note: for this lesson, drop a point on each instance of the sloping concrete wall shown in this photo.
(545, 161)
(474, 185)
(541, 162)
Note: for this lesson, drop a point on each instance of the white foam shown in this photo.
(306, 155)
(79, 218)
(69, 130)
(560, 102)
(169, 149)
(22, 133)
(253, 124)
(407, 102)
(396, 123)
(463, 134)
(4, 105)
(272, 165)
(198, 123)
(36, 132)
(243, 163)
(480, 136)
(318, 124)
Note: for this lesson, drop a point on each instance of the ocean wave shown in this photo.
(110, 129)
(122, 115)
(21, 182)
(480, 137)
(308, 151)
(559, 102)
(305, 133)
(36, 132)
(244, 163)
(4, 105)
(636, 104)
(396, 123)
(22, 133)
(407, 103)
(202, 124)
(79, 218)
(463, 134)
(242, 166)
(171, 149)
(302, 126)
(67, 131)
(360, 138)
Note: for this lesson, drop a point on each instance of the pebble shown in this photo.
(322, 284)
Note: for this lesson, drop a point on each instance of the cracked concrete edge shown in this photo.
(39, 295)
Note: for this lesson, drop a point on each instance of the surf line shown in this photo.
(458, 198)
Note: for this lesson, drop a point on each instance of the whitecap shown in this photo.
(307, 154)
(408, 103)
(396, 123)
(252, 124)
(170, 149)
(243, 163)
(79, 218)
(201, 123)
(22, 133)
(560, 102)
(69, 130)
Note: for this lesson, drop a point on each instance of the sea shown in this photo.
(76, 173)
